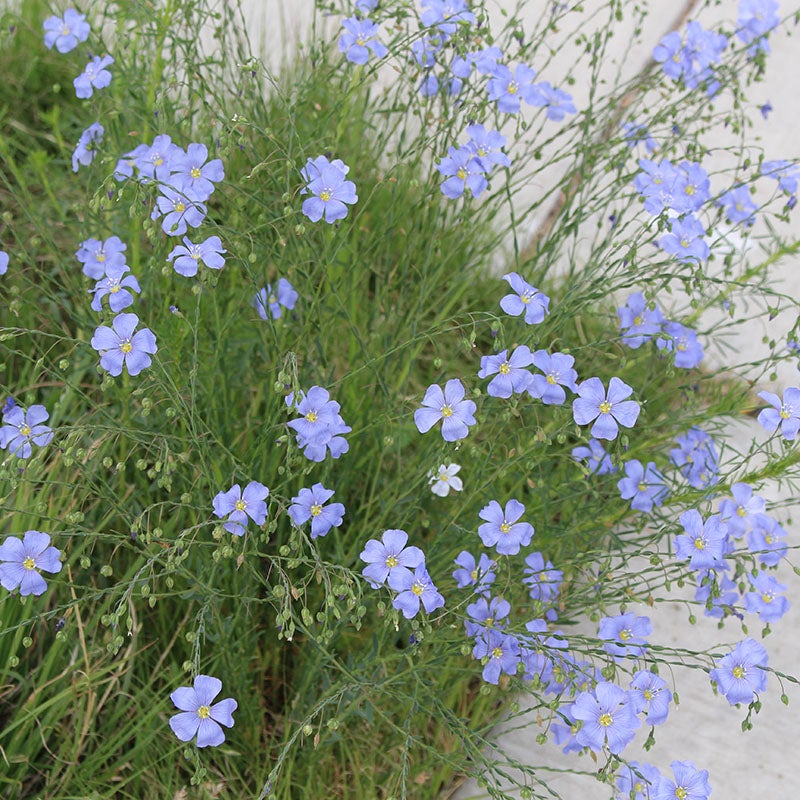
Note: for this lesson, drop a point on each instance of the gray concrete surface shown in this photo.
(704, 728)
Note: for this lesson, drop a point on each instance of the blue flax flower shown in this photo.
(511, 377)
(595, 457)
(608, 718)
(784, 172)
(445, 15)
(462, 170)
(636, 781)
(705, 544)
(783, 413)
(358, 39)
(756, 19)
(270, 303)
(739, 206)
(3, 262)
(97, 256)
(193, 173)
(332, 192)
(625, 634)
(200, 715)
(541, 578)
(689, 783)
(471, 573)
(383, 556)
(649, 693)
(94, 76)
(609, 409)
(524, 299)
(22, 559)
(117, 286)
(65, 32)
(445, 479)
(22, 429)
(502, 528)
(235, 506)
(188, 255)
(178, 209)
(85, 151)
(725, 594)
(121, 345)
(696, 458)
(487, 146)
(685, 240)
(637, 322)
(450, 407)
(557, 102)
(766, 540)
(320, 427)
(742, 673)
(682, 342)
(635, 132)
(766, 599)
(485, 614)
(656, 183)
(510, 89)
(153, 162)
(501, 653)
(414, 588)
(558, 373)
(310, 505)
(643, 486)
(739, 511)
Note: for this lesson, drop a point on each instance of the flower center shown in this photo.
(391, 561)
(681, 793)
(689, 190)
(699, 543)
(505, 527)
(240, 505)
(325, 195)
(552, 379)
(505, 368)
(447, 411)
(648, 695)
(605, 407)
(526, 298)
(29, 563)
(311, 416)
(25, 430)
(158, 161)
(316, 510)
(126, 347)
(204, 712)
(195, 172)
(642, 487)
(497, 652)
(685, 243)
(605, 719)
(461, 174)
(767, 597)
(741, 511)
(179, 206)
(512, 87)
(418, 588)
(101, 257)
(739, 672)
(638, 321)
(195, 252)
(113, 286)
(360, 41)
(784, 412)
(624, 634)
(474, 574)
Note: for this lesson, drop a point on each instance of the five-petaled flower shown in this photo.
(270, 302)
(525, 299)
(449, 406)
(200, 714)
(94, 76)
(188, 255)
(85, 150)
(235, 506)
(22, 429)
(610, 409)
(21, 560)
(784, 413)
(502, 528)
(386, 555)
(332, 192)
(445, 479)
(414, 588)
(310, 505)
(742, 673)
(65, 32)
(121, 345)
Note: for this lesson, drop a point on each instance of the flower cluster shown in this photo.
(466, 167)
(692, 60)
(320, 428)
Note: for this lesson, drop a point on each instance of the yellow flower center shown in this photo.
(179, 206)
(311, 416)
(526, 298)
(505, 527)
(483, 151)
(741, 511)
(605, 720)
(769, 539)
(158, 161)
(417, 588)
(681, 793)
(195, 172)
(648, 695)
(474, 574)
(551, 379)
(638, 787)
(681, 346)
(126, 347)
(360, 42)
(444, 477)
(512, 87)
(685, 243)
(461, 174)
(699, 543)
(767, 597)
(115, 288)
(25, 430)
(605, 407)
(391, 561)
(101, 257)
(316, 510)
(641, 486)
(204, 712)
(497, 652)
(240, 505)
(784, 413)
(447, 411)
(739, 672)
(29, 563)
(504, 368)
(325, 195)
(689, 189)
(638, 320)
(624, 634)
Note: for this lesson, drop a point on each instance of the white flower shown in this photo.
(445, 479)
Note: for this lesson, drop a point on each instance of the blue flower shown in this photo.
(683, 343)
(689, 783)
(22, 429)
(326, 181)
(557, 102)
(390, 553)
(542, 580)
(269, 303)
(320, 427)
(643, 486)
(705, 544)
(696, 458)
(784, 172)
(649, 693)
(638, 322)
(471, 573)
(450, 407)
(765, 599)
(740, 511)
(625, 635)
(742, 673)
(97, 256)
(739, 207)
(685, 240)
(310, 505)
(116, 287)
(178, 208)
(635, 132)
(154, 162)
(511, 377)
(463, 170)
(445, 479)
(193, 173)
(784, 413)
(21, 561)
(85, 150)
(502, 528)
(94, 76)
(636, 781)
(525, 299)
(608, 718)
(413, 589)
(358, 39)
(597, 460)
(609, 408)
(3, 262)
(188, 255)
(509, 89)
(756, 19)
(487, 146)
(500, 651)
(558, 372)
(235, 506)
(766, 540)
(120, 346)
(199, 714)
(445, 15)
(65, 32)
